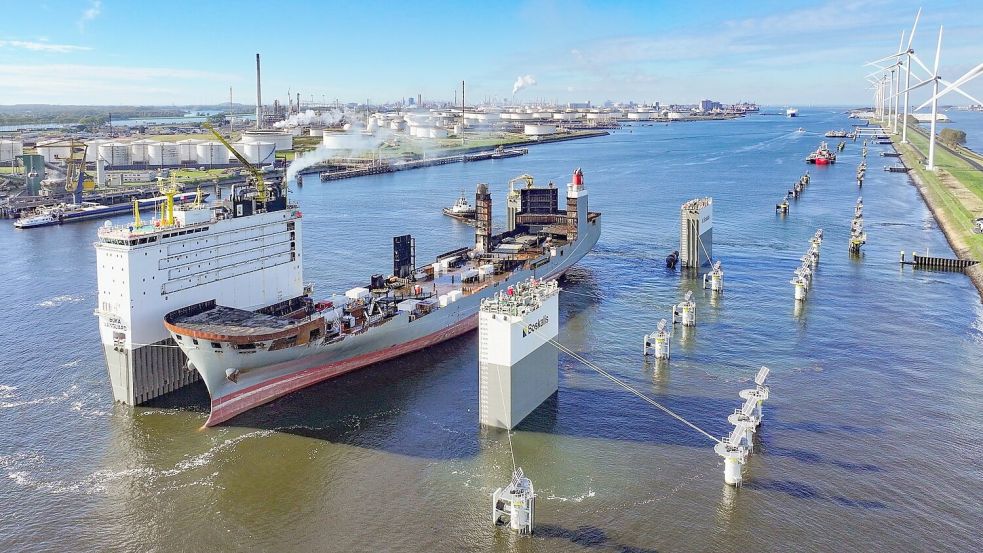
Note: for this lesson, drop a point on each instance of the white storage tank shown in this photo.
(187, 150)
(566, 116)
(539, 130)
(10, 149)
(92, 149)
(139, 151)
(258, 153)
(282, 140)
(54, 151)
(162, 154)
(115, 153)
(212, 153)
(316, 131)
(438, 133)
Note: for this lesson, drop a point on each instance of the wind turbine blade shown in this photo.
(960, 91)
(922, 65)
(938, 53)
(878, 72)
(885, 58)
(901, 44)
(970, 75)
(913, 74)
(919, 85)
(913, 27)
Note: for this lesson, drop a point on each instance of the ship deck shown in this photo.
(221, 320)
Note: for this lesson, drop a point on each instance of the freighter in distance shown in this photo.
(227, 283)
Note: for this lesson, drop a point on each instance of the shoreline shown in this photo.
(954, 235)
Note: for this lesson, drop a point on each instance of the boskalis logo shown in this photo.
(533, 327)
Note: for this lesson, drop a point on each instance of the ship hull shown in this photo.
(266, 376)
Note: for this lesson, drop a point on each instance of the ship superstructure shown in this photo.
(241, 252)
(248, 356)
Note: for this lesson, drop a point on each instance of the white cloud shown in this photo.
(42, 46)
(90, 13)
(88, 84)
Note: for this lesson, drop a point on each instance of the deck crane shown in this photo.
(256, 173)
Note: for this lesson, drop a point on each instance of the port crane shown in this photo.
(256, 173)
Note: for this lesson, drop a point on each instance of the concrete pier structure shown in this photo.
(696, 233)
(517, 369)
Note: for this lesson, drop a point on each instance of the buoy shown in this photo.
(658, 342)
(672, 259)
(516, 503)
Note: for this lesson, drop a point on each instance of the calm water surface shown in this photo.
(870, 440)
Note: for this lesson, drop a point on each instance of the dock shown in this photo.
(938, 263)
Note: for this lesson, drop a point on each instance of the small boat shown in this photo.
(462, 210)
(67, 213)
(800, 129)
(822, 156)
(502, 152)
(791, 112)
(836, 134)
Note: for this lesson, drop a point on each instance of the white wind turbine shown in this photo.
(934, 80)
(895, 83)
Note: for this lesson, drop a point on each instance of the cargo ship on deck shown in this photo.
(225, 284)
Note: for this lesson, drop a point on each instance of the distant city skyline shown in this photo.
(106, 52)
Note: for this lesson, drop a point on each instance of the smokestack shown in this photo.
(483, 219)
(259, 98)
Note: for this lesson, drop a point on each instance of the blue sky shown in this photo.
(179, 52)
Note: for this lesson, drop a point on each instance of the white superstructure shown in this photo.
(517, 365)
(237, 257)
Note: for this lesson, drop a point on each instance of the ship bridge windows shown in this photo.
(217, 345)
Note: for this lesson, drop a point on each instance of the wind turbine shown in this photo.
(895, 83)
(935, 79)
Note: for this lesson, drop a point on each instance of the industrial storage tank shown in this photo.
(314, 131)
(282, 140)
(138, 151)
(438, 133)
(115, 153)
(212, 153)
(187, 150)
(539, 130)
(162, 154)
(54, 151)
(92, 149)
(10, 149)
(565, 116)
(258, 153)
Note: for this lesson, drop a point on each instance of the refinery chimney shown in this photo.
(259, 98)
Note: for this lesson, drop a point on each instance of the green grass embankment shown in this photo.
(956, 215)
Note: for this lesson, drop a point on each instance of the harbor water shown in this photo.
(870, 439)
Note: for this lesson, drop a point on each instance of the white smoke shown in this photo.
(353, 141)
(311, 117)
(523, 81)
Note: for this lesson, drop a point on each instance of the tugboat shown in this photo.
(462, 210)
(822, 156)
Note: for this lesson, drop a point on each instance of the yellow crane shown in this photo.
(257, 174)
